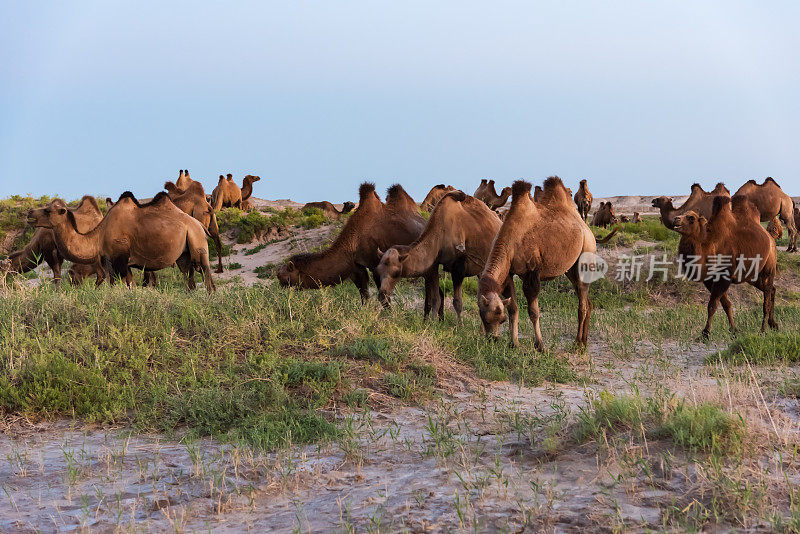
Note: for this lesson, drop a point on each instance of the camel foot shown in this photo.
(773, 325)
(704, 337)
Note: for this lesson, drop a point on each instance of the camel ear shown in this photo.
(461, 248)
(290, 266)
(484, 300)
(380, 252)
(402, 257)
(507, 302)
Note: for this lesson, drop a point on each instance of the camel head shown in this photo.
(230, 177)
(288, 275)
(389, 271)
(690, 224)
(348, 206)
(506, 192)
(51, 215)
(109, 203)
(171, 188)
(492, 310)
(662, 202)
(250, 178)
(221, 178)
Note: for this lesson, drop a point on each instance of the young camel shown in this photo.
(733, 232)
(458, 236)
(583, 200)
(372, 225)
(537, 241)
(771, 201)
(227, 194)
(699, 201)
(153, 236)
(434, 196)
(247, 191)
(604, 215)
(42, 246)
(192, 201)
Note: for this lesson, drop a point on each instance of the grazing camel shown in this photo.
(247, 191)
(699, 201)
(604, 215)
(192, 201)
(227, 194)
(329, 210)
(771, 201)
(154, 235)
(42, 246)
(637, 218)
(537, 241)
(434, 196)
(372, 226)
(730, 248)
(583, 200)
(458, 236)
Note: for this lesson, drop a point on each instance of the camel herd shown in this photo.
(542, 234)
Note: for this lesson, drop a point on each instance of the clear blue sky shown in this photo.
(640, 97)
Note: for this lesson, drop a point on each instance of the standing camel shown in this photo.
(192, 201)
(699, 201)
(583, 200)
(537, 241)
(771, 201)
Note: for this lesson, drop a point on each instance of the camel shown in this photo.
(771, 201)
(624, 219)
(699, 201)
(247, 191)
(480, 192)
(192, 201)
(537, 241)
(42, 246)
(537, 193)
(604, 215)
(153, 235)
(501, 199)
(715, 247)
(583, 200)
(184, 180)
(227, 194)
(775, 229)
(434, 196)
(329, 210)
(458, 236)
(637, 218)
(372, 226)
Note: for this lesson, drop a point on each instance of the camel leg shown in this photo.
(788, 221)
(728, 307)
(54, 261)
(434, 300)
(185, 265)
(100, 273)
(218, 243)
(717, 290)
(585, 305)
(457, 273)
(361, 280)
(205, 265)
(121, 270)
(512, 310)
(383, 299)
(531, 286)
(771, 320)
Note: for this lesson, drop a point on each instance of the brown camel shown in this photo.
(154, 235)
(372, 226)
(192, 201)
(184, 180)
(500, 200)
(699, 201)
(227, 194)
(583, 200)
(731, 248)
(771, 201)
(481, 190)
(537, 193)
(537, 241)
(604, 215)
(434, 196)
(329, 210)
(490, 197)
(247, 191)
(624, 219)
(42, 246)
(775, 229)
(458, 236)
(637, 218)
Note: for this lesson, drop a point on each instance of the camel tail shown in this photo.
(607, 238)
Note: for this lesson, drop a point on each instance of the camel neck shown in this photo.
(75, 246)
(422, 255)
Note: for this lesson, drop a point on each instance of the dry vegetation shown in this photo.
(268, 408)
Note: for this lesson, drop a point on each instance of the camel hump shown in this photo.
(396, 193)
(91, 200)
(458, 196)
(719, 204)
(697, 187)
(519, 188)
(365, 189)
(552, 182)
(440, 186)
(197, 188)
(720, 188)
(770, 179)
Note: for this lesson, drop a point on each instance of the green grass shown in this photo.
(768, 348)
(701, 428)
(253, 224)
